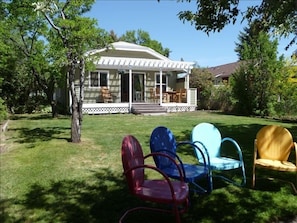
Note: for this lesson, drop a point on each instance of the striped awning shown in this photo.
(142, 64)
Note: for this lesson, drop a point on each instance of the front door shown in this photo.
(125, 87)
(138, 87)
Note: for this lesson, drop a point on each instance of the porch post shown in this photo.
(161, 90)
(188, 84)
(130, 90)
(187, 80)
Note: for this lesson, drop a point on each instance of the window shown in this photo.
(98, 78)
(164, 82)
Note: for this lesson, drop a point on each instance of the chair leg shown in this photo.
(243, 183)
(254, 176)
(228, 179)
(177, 215)
(175, 211)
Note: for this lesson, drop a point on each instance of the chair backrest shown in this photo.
(105, 92)
(274, 142)
(152, 93)
(183, 92)
(209, 136)
(163, 139)
(132, 156)
(157, 91)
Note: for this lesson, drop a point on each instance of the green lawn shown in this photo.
(45, 178)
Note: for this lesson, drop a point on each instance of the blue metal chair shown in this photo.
(207, 136)
(162, 140)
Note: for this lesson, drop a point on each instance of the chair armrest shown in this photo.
(295, 145)
(204, 152)
(255, 150)
(235, 145)
(181, 170)
(158, 171)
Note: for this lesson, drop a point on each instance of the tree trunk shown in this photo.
(54, 109)
(81, 88)
(75, 119)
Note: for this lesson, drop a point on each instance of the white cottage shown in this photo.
(130, 76)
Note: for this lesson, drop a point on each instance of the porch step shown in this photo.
(148, 108)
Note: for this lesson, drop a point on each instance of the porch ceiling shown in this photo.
(143, 64)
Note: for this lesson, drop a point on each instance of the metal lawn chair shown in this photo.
(272, 148)
(173, 193)
(207, 136)
(162, 140)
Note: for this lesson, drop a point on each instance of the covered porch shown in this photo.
(134, 80)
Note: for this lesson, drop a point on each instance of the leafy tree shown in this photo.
(203, 81)
(143, 38)
(73, 35)
(249, 33)
(254, 83)
(23, 63)
(213, 16)
(286, 90)
(113, 36)
(3, 112)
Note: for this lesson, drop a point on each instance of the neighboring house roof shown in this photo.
(181, 75)
(225, 70)
(123, 55)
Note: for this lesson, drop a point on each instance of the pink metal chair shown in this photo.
(174, 193)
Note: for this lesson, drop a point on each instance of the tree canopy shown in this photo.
(254, 84)
(142, 38)
(278, 16)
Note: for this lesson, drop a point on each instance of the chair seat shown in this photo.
(158, 191)
(276, 165)
(224, 163)
(193, 172)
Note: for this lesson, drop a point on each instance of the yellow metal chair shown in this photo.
(272, 148)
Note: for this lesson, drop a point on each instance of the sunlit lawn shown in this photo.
(45, 178)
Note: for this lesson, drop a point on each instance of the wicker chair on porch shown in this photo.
(181, 95)
(155, 95)
(106, 95)
(164, 95)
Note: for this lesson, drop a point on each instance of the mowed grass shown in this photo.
(46, 178)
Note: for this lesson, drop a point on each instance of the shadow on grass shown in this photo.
(104, 200)
(105, 197)
(72, 201)
(37, 117)
(27, 135)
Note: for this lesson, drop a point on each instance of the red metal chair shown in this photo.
(163, 191)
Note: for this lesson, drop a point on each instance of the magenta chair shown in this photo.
(172, 193)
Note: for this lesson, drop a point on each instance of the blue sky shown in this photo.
(160, 20)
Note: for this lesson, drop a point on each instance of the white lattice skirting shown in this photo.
(116, 108)
(105, 108)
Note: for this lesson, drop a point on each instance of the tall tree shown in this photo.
(249, 33)
(143, 38)
(73, 34)
(26, 71)
(254, 83)
(213, 16)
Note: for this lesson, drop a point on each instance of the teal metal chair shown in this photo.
(206, 136)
